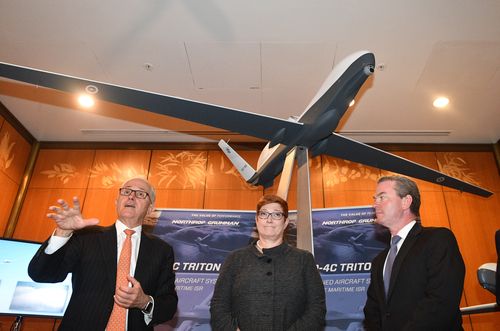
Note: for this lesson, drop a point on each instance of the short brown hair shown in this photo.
(271, 198)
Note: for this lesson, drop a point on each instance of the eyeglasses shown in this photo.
(138, 193)
(277, 215)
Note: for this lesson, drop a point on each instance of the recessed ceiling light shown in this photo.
(91, 89)
(441, 102)
(352, 103)
(86, 100)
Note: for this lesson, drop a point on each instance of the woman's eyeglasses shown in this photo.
(277, 215)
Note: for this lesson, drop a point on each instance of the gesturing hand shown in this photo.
(69, 218)
(131, 296)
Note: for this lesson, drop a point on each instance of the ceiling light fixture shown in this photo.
(86, 101)
(352, 103)
(441, 102)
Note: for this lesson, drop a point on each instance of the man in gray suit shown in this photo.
(423, 288)
(91, 254)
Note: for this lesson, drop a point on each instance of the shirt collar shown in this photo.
(403, 233)
(120, 227)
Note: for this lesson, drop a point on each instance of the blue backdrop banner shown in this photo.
(345, 242)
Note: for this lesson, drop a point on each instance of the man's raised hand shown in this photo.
(69, 219)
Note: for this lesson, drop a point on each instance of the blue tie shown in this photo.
(393, 251)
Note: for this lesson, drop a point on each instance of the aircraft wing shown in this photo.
(265, 127)
(348, 149)
(260, 126)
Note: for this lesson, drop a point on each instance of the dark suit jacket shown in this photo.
(426, 284)
(497, 288)
(91, 255)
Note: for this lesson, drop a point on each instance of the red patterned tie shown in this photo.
(118, 315)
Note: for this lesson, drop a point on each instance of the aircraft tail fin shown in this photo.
(239, 163)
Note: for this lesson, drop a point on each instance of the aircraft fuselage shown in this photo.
(321, 117)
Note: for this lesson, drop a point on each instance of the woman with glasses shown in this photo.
(269, 285)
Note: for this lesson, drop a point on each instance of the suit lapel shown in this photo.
(145, 251)
(403, 251)
(108, 244)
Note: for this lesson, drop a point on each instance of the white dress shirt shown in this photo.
(403, 233)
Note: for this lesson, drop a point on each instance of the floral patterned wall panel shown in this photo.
(315, 176)
(222, 175)
(225, 188)
(14, 152)
(60, 168)
(427, 159)
(9, 191)
(33, 223)
(112, 167)
(179, 178)
(183, 170)
(316, 180)
(474, 167)
(58, 173)
(341, 175)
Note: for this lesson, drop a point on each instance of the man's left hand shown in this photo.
(131, 297)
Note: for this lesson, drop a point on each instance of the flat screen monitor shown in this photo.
(19, 294)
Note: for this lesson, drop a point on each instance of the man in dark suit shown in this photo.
(425, 283)
(91, 254)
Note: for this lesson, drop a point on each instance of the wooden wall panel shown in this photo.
(232, 199)
(474, 221)
(33, 223)
(433, 209)
(316, 199)
(188, 199)
(466, 321)
(14, 152)
(485, 322)
(427, 159)
(221, 175)
(181, 170)
(478, 168)
(341, 175)
(315, 176)
(101, 204)
(316, 179)
(336, 199)
(6, 321)
(9, 193)
(61, 168)
(30, 323)
(111, 168)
